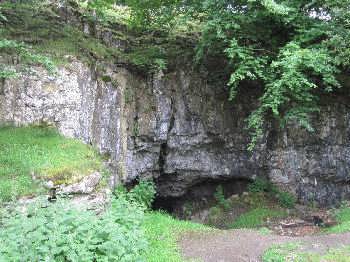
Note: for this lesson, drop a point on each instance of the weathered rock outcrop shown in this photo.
(182, 131)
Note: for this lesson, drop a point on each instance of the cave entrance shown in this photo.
(200, 197)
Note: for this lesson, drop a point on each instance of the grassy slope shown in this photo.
(43, 152)
(38, 26)
(343, 218)
(256, 217)
(254, 208)
(163, 231)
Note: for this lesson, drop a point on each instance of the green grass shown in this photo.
(162, 232)
(256, 217)
(41, 151)
(343, 218)
(38, 26)
(281, 253)
(290, 252)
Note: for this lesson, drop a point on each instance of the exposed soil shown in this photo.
(249, 245)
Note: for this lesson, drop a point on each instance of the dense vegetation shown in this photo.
(126, 231)
(293, 49)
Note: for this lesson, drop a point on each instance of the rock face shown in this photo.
(181, 130)
(86, 186)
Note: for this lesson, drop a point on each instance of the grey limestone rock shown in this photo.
(182, 131)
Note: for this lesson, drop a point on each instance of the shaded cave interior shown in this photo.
(199, 196)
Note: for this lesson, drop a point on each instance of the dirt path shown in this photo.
(249, 245)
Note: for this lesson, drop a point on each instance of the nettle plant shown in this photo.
(61, 232)
(143, 194)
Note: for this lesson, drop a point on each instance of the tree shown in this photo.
(293, 48)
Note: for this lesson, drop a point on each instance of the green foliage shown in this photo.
(256, 217)
(281, 253)
(265, 231)
(260, 185)
(295, 57)
(60, 232)
(292, 252)
(286, 199)
(220, 198)
(295, 74)
(26, 56)
(162, 232)
(143, 193)
(148, 57)
(41, 151)
(343, 218)
(38, 25)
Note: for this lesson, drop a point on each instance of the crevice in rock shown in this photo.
(164, 146)
(2, 86)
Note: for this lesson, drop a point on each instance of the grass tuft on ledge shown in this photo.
(41, 152)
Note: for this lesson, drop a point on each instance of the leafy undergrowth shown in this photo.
(291, 252)
(41, 151)
(162, 232)
(343, 218)
(62, 232)
(264, 202)
(250, 210)
(126, 232)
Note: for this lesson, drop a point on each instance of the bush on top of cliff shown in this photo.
(41, 152)
(60, 232)
(293, 49)
(39, 24)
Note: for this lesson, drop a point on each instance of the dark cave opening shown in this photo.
(200, 196)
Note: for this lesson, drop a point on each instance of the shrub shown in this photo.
(286, 199)
(259, 185)
(142, 194)
(220, 198)
(60, 232)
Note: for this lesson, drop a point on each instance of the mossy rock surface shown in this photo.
(29, 155)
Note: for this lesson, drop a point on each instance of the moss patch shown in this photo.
(41, 152)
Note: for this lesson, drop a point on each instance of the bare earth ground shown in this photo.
(245, 245)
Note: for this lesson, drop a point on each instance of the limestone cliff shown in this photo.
(178, 127)
(180, 130)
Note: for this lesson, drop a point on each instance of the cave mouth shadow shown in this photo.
(200, 196)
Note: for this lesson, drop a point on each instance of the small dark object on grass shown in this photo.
(52, 197)
(318, 221)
